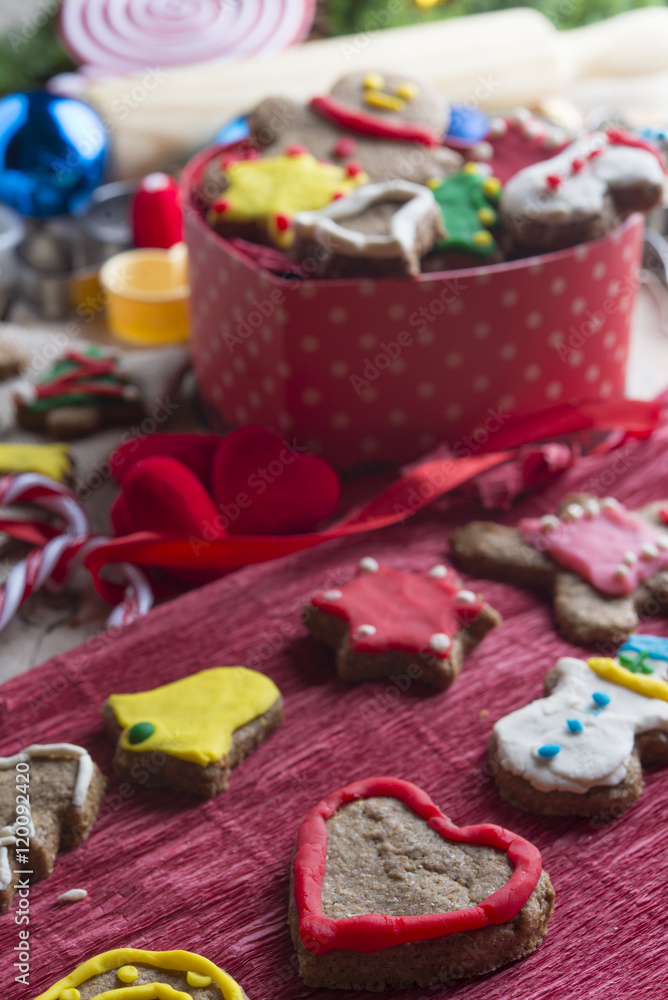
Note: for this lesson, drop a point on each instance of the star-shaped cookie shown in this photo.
(603, 565)
(387, 622)
(580, 750)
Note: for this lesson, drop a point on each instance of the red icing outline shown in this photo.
(367, 124)
(373, 932)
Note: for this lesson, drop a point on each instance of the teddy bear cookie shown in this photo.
(126, 973)
(49, 798)
(380, 230)
(601, 563)
(583, 192)
(580, 750)
(388, 123)
(387, 893)
(386, 621)
(468, 203)
(84, 392)
(188, 735)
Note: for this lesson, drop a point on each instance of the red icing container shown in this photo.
(361, 370)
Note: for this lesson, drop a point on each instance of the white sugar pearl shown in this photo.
(630, 558)
(332, 595)
(533, 129)
(465, 597)
(365, 630)
(438, 572)
(440, 642)
(622, 572)
(609, 503)
(573, 512)
(592, 508)
(519, 116)
(662, 542)
(482, 152)
(497, 128)
(649, 551)
(549, 522)
(73, 895)
(368, 565)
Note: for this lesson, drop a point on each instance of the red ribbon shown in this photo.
(409, 494)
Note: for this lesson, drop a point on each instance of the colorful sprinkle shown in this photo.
(601, 699)
(438, 572)
(574, 725)
(549, 750)
(549, 522)
(553, 181)
(487, 216)
(592, 508)
(353, 169)
(621, 572)
(465, 597)
(440, 642)
(649, 551)
(482, 238)
(369, 565)
(127, 973)
(577, 165)
(365, 631)
(630, 558)
(345, 146)
(574, 512)
(374, 81)
(296, 150)
(407, 90)
(139, 732)
(282, 223)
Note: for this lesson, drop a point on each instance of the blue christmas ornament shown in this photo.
(53, 152)
(468, 126)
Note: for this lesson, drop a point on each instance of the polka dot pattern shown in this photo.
(376, 370)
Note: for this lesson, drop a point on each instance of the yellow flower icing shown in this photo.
(175, 961)
(651, 687)
(47, 459)
(194, 718)
(272, 190)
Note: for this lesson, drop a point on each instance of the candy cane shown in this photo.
(59, 557)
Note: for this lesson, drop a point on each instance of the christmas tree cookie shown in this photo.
(84, 392)
(580, 750)
(188, 735)
(467, 201)
(127, 973)
(386, 622)
(49, 797)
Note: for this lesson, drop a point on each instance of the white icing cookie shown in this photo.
(599, 753)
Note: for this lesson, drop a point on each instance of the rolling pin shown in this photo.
(498, 60)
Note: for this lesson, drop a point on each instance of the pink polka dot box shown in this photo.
(364, 371)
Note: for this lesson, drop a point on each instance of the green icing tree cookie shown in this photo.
(466, 201)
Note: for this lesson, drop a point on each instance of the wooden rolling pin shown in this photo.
(500, 60)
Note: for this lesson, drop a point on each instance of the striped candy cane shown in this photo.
(53, 563)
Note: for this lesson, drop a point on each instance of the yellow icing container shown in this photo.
(147, 295)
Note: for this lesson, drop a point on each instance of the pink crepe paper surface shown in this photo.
(170, 871)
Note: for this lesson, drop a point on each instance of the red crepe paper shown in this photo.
(170, 871)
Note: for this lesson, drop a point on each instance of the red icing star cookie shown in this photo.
(387, 620)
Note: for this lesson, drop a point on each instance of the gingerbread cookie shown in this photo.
(188, 735)
(260, 197)
(467, 201)
(84, 392)
(602, 564)
(49, 797)
(53, 460)
(379, 230)
(13, 361)
(387, 893)
(126, 973)
(580, 750)
(583, 192)
(385, 622)
(389, 123)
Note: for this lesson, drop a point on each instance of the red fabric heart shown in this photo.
(263, 486)
(161, 494)
(194, 450)
(374, 932)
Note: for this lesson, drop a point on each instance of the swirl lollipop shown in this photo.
(121, 36)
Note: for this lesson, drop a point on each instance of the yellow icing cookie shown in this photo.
(46, 459)
(651, 687)
(271, 191)
(174, 961)
(193, 718)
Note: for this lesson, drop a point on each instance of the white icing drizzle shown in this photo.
(600, 754)
(417, 205)
(56, 751)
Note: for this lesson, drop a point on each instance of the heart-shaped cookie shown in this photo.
(194, 450)
(387, 890)
(263, 486)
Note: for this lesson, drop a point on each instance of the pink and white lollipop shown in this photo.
(122, 36)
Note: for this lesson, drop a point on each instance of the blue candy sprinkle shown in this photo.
(549, 750)
(574, 725)
(601, 699)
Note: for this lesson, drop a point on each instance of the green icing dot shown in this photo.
(464, 200)
(140, 732)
